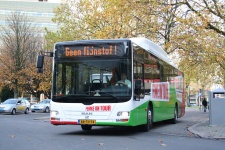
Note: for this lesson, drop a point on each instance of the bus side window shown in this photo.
(139, 89)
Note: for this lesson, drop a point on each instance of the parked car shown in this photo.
(14, 105)
(42, 106)
(31, 101)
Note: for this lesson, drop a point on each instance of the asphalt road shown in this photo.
(25, 132)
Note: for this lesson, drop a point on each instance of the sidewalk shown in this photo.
(204, 130)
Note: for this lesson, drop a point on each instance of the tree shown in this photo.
(35, 83)
(201, 35)
(88, 19)
(104, 19)
(210, 12)
(6, 93)
(20, 45)
(190, 31)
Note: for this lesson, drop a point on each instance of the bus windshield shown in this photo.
(95, 79)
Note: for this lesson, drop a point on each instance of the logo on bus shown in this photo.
(160, 91)
(99, 108)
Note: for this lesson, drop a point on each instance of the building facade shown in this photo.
(40, 12)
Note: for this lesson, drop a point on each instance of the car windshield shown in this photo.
(44, 102)
(10, 101)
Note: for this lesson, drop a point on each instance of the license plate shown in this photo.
(87, 121)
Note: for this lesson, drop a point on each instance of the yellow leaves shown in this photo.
(44, 86)
(162, 143)
(98, 18)
(25, 78)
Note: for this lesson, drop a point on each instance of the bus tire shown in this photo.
(146, 127)
(174, 120)
(86, 127)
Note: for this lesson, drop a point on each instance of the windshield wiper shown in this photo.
(117, 98)
(75, 95)
(70, 96)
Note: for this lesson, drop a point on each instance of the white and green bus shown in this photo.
(83, 94)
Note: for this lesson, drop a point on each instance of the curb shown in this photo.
(206, 131)
(192, 130)
(42, 118)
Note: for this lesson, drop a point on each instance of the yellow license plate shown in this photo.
(87, 121)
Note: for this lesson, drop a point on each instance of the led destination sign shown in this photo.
(115, 49)
(91, 51)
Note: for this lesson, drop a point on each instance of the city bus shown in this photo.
(87, 88)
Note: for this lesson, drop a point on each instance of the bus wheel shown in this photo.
(149, 123)
(86, 127)
(174, 120)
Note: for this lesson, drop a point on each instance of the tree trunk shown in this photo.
(16, 90)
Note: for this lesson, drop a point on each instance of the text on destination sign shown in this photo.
(91, 51)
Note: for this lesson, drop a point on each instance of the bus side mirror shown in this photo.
(137, 89)
(138, 86)
(40, 63)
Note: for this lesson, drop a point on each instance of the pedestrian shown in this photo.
(204, 103)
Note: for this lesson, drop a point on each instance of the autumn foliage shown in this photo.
(18, 51)
(191, 32)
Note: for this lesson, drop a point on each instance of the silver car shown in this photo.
(42, 106)
(14, 105)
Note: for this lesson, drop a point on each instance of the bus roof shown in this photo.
(152, 48)
(145, 43)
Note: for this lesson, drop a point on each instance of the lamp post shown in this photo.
(189, 95)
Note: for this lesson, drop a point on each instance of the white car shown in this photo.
(14, 105)
(42, 106)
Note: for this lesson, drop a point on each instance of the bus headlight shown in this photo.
(54, 113)
(123, 113)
